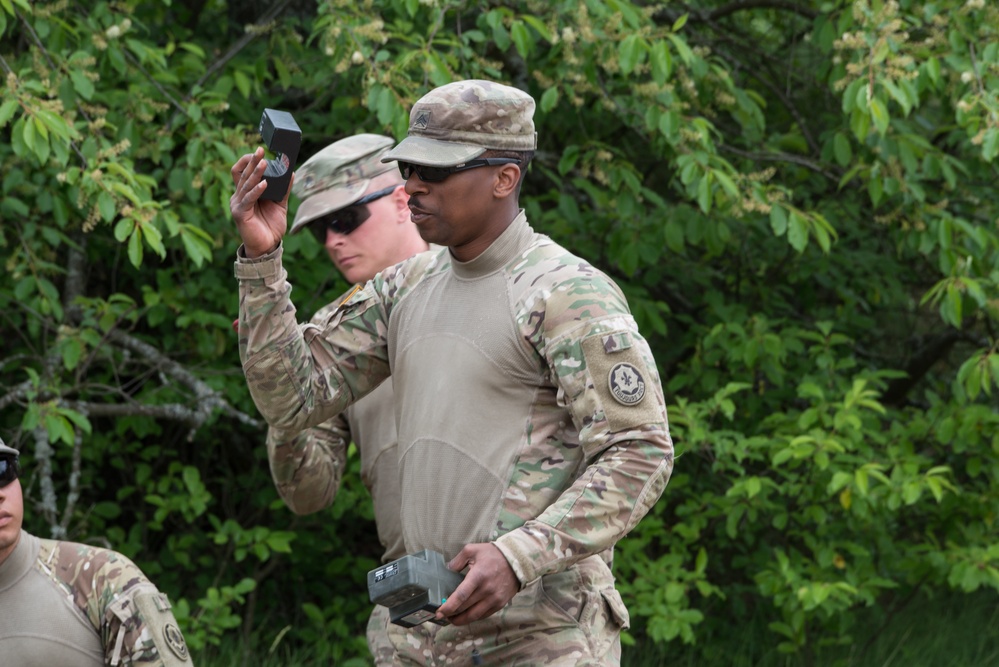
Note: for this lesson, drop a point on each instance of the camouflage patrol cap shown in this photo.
(459, 121)
(338, 175)
(4, 449)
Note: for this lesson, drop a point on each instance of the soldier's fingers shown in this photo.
(460, 598)
(287, 194)
(237, 169)
(476, 612)
(460, 561)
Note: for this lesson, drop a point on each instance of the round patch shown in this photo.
(626, 384)
(175, 640)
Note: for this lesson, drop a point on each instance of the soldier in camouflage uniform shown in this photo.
(64, 604)
(532, 424)
(356, 206)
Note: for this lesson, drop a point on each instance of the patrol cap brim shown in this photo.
(4, 449)
(432, 152)
(338, 175)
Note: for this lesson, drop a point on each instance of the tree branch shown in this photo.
(276, 9)
(782, 157)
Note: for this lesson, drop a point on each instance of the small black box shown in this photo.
(283, 137)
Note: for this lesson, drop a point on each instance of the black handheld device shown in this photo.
(413, 587)
(283, 137)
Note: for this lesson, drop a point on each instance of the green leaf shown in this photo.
(243, 83)
(135, 248)
(950, 306)
(631, 52)
(899, 95)
(71, 350)
(549, 99)
(797, 231)
(778, 220)
(539, 26)
(7, 110)
(522, 39)
(123, 229)
(704, 192)
(28, 133)
(387, 107)
(990, 144)
(58, 428)
(669, 125)
(932, 69)
(727, 183)
(106, 206)
(842, 149)
(680, 22)
(686, 55)
(661, 61)
(197, 249)
(82, 84)
(673, 235)
(439, 73)
(879, 113)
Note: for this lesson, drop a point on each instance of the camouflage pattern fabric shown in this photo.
(459, 121)
(570, 619)
(379, 631)
(307, 467)
(133, 618)
(585, 452)
(68, 603)
(338, 175)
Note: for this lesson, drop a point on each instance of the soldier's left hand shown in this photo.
(488, 586)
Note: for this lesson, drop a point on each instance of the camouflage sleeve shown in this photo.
(307, 467)
(302, 376)
(608, 381)
(141, 631)
(134, 619)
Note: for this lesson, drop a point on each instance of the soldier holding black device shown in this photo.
(532, 423)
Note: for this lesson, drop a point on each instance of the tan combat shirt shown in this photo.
(64, 604)
(529, 407)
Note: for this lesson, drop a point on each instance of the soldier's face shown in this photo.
(456, 212)
(11, 517)
(374, 245)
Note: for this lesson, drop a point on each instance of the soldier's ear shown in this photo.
(506, 180)
(400, 199)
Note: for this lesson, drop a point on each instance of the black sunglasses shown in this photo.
(9, 469)
(438, 174)
(347, 219)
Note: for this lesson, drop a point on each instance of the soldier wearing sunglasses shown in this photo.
(357, 208)
(532, 424)
(64, 604)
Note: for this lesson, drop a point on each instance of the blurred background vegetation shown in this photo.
(799, 199)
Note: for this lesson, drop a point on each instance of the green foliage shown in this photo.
(798, 200)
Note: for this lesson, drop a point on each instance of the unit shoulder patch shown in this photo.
(175, 640)
(626, 384)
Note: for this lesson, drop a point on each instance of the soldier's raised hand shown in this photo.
(261, 222)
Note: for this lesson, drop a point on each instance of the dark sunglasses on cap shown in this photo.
(347, 219)
(9, 469)
(438, 174)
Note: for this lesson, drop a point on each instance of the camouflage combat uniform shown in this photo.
(530, 415)
(307, 467)
(64, 604)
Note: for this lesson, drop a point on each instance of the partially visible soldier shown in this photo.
(357, 207)
(64, 604)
